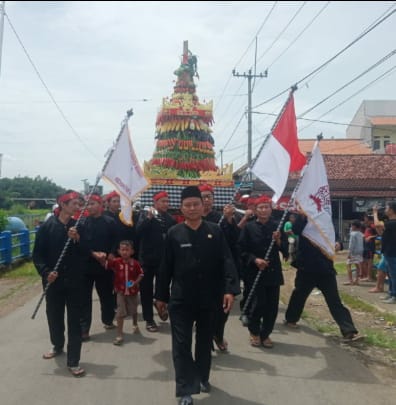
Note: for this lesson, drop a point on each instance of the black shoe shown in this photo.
(186, 400)
(85, 337)
(205, 386)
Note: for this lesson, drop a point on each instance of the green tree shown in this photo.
(27, 187)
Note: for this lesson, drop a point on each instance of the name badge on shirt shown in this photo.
(185, 245)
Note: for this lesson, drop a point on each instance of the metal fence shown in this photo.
(15, 246)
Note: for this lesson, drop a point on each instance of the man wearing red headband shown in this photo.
(151, 229)
(254, 241)
(125, 231)
(66, 282)
(102, 239)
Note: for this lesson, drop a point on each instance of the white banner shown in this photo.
(313, 198)
(125, 174)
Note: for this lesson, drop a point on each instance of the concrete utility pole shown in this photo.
(249, 76)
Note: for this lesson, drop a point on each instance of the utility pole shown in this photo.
(221, 160)
(2, 12)
(249, 76)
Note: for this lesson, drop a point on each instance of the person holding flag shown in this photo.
(316, 249)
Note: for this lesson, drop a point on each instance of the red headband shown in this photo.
(161, 194)
(263, 200)
(205, 187)
(96, 198)
(111, 195)
(68, 197)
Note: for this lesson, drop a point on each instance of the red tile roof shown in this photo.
(339, 146)
(378, 121)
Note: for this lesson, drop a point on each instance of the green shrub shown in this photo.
(3, 220)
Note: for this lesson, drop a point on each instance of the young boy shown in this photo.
(127, 276)
(355, 255)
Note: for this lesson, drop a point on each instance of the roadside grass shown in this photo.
(25, 270)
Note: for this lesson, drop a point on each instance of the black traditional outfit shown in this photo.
(314, 269)
(66, 290)
(253, 243)
(102, 236)
(199, 267)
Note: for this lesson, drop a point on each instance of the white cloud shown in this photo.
(100, 59)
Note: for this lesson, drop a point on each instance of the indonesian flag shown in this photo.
(313, 198)
(124, 173)
(280, 154)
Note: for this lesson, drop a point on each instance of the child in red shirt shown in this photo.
(127, 276)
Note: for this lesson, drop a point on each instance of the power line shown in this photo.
(246, 51)
(382, 76)
(299, 35)
(362, 35)
(379, 62)
(283, 31)
(48, 90)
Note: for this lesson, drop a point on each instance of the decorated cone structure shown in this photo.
(184, 152)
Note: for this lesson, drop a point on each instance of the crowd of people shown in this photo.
(189, 271)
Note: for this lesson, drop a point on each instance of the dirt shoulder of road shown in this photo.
(15, 292)
(381, 361)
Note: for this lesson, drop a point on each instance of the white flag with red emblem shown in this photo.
(124, 173)
(313, 198)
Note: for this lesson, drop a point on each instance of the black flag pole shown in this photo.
(98, 178)
(282, 220)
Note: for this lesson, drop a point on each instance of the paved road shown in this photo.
(303, 368)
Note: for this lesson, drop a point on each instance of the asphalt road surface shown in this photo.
(303, 368)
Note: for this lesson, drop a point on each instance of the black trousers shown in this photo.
(304, 283)
(264, 310)
(104, 286)
(189, 370)
(219, 323)
(147, 292)
(60, 295)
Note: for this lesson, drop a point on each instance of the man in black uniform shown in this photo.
(151, 230)
(314, 269)
(66, 282)
(199, 267)
(102, 239)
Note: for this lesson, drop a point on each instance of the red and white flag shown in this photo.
(313, 198)
(124, 173)
(280, 154)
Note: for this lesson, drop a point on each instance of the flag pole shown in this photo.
(282, 220)
(61, 256)
(247, 174)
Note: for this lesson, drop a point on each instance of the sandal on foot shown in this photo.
(135, 329)
(267, 343)
(118, 341)
(221, 345)
(292, 325)
(51, 354)
(255, 341)
(77, 371)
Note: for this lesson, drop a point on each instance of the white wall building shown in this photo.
(375, 123)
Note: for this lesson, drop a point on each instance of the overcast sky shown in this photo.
(99, 59)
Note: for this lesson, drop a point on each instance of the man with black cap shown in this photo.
(199, 267)
(151, 229)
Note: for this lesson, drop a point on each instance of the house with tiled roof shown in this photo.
(358, 178)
